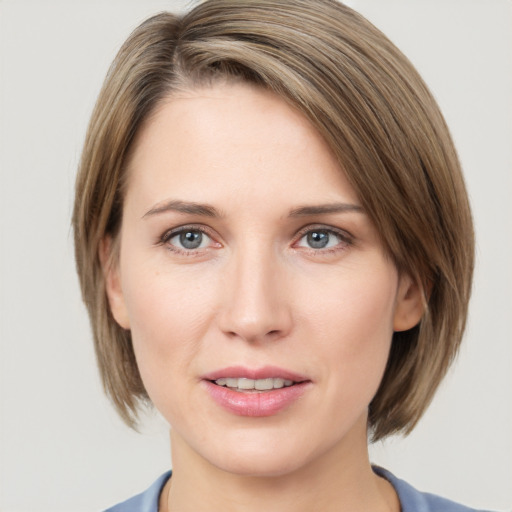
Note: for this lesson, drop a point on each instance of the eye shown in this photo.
(190, 239)
(322, 238)
(187, 239)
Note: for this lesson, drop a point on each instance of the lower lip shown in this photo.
(256, 404)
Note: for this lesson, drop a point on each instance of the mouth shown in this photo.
(255, 392)
(244, 385)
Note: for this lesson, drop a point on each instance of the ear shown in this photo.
(410, 304)
(109, 259)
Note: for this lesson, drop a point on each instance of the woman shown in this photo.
(275, 246)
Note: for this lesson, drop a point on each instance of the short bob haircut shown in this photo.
(379, 119)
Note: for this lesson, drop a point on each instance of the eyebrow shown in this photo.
(323, 209)
(191, 208)
(206, 210)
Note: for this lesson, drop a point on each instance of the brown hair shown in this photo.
(376, 114)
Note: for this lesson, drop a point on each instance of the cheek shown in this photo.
(169, 315)
(354, 307)
(165, 301)
(355, 321)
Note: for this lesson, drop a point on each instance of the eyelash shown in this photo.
(170, 234)
(345, 239)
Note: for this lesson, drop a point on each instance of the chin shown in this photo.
(261, 466)
(263, 457)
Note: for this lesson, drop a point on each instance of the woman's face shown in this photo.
(258, 294)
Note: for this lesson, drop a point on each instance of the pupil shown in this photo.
(318, 239)
(191, 239)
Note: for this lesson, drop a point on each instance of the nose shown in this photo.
(255, 306)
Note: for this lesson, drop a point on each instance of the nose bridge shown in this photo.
(255, 308)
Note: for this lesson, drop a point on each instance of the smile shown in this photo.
(253, 385)
(256, 392)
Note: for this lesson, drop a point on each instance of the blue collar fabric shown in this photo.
(411, 500)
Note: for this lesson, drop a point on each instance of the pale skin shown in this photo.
(243, 244)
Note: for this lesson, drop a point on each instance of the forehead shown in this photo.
(233, 141)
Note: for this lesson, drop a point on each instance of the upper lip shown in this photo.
(264, 372)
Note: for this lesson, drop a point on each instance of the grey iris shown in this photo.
(191, 239)
(318, 239)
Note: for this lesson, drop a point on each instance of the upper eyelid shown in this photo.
(168, 234)
(323, 227)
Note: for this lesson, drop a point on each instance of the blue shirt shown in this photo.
(411, 500)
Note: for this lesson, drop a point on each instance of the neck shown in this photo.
(340, 479)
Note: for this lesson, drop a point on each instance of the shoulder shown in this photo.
(413, 500)
(146, 501)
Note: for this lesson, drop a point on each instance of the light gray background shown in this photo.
(61, 446)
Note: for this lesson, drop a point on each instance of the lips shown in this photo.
(255, 392)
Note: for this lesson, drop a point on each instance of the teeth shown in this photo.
(265, 384)
(244, 384)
